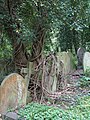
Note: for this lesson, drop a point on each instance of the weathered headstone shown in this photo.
(80, 54)
(26, 73)
(86, 62)
(13, 92)
(66, 59)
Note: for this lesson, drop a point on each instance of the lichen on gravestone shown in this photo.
(13, 92)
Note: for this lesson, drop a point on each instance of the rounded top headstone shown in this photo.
(13, 92)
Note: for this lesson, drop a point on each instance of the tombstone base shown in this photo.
(10, 116)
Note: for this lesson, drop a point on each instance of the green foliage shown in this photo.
(74, 61)
(87, 72)
(88, 44)
(66, 23)
(5, 49)
(35, 111)
(82, 110)
(84, 81)
(73, 26)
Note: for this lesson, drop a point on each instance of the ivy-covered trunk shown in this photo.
(36, 58)
(12, 28)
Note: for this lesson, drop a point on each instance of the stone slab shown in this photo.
(13, 92)
(86, 61)
(66, 59)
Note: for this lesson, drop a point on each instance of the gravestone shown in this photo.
(80, 55)
(86, 62)
(66, 59)
(13, 92)
(26, 73)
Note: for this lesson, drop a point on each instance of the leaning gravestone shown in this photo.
(13, 92)
(80, 54)
(86, 63)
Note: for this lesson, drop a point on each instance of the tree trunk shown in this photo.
(75, 40)
(36, 58)
(11, 26)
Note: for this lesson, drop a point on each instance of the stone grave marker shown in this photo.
(66, 59)
(13, 92)
(80, 55)
(11, 116)
(86, 62)
(26, 73)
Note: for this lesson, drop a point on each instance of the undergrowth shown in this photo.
(35, 111)
(84, 81)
